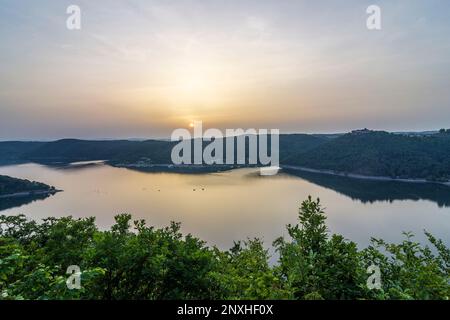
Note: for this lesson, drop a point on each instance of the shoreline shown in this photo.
(362, 177)
(29, 193)
(219, 168)
(192, 169)
(165, 167)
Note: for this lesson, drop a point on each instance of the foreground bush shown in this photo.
(149, 263)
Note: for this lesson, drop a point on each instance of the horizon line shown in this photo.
(168, 138)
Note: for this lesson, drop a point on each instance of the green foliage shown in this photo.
(411, 271)
(245, 273)
(136, 261)
(316, 266)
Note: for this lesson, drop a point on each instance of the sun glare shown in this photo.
(194, 84)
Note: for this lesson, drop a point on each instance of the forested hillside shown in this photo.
(374, 153)
(14, 151)
(10, 185)
(378, 153)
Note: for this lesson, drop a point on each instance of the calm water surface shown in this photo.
(234, 205)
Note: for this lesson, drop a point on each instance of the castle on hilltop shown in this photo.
(361, 131)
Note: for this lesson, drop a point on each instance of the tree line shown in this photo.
(136, 261)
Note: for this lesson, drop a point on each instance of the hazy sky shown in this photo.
(144, 68)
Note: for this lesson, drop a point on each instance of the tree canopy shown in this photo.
(136, 261)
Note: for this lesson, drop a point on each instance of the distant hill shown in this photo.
(14, 151)
(365, 152)
(70, 150)
(155, 151)
(379, 153)
(300, 143)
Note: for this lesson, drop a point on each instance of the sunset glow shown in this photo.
(140, 69)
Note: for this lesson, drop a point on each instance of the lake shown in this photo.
(233, 205)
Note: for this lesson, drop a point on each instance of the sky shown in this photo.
(144, 68)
